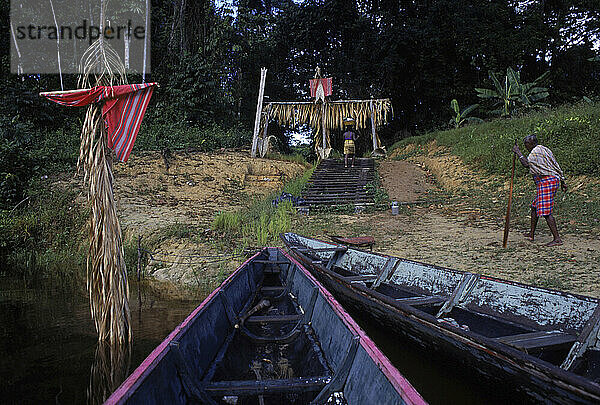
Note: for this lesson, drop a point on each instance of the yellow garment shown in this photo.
(348, 147)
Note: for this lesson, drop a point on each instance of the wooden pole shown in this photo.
(324, 134)
(373, 133)
(264, 143)
(507, 219)
(261, 94)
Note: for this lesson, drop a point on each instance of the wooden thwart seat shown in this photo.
(272, 261)
(276, 289)
(427, 300)
(260, 387)
(361, 279)
(273, 318)
(538, 340)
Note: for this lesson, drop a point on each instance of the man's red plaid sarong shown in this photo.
(123, 109)
(546, 190)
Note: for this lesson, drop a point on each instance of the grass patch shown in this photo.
(258, 226)
(296, 158)
(380, 196)
(570, 131)
(261, 223)
(553, 281)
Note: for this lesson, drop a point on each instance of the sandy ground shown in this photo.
(429, 235)
(455, 234)
(405, 181)
(194, 187)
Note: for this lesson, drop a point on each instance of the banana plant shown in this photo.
(531, 93)
(504, 92)
(460, 117)
(512, 91)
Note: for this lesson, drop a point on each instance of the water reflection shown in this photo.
(110, 368)
(49, 351)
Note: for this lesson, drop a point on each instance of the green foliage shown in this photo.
(44, 238)
(262, 222)
(260, 225)
(295, 186)
(460, 117)
(570, 131)
(172, 133)
(296, 157)
(11, 190)
(229, 222)
(511, 91)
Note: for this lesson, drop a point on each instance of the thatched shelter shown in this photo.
(322, 116)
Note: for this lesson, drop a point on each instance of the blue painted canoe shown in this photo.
(542, 345)
(270, 334)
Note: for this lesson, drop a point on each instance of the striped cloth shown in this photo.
(349, 148)
(543, 163)
(326, 83)
(123, 110)
(547, 186)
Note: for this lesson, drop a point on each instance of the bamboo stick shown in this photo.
(261, 93)
(510, 193)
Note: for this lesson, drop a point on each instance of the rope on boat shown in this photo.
(215, 258)
(209, 259)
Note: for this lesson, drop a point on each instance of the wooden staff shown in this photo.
(507, 220)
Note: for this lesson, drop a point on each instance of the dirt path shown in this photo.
(460, 235)
(405, 181)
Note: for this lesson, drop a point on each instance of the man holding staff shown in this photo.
(547, 174)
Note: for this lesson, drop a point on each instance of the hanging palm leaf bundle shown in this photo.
(294, 114)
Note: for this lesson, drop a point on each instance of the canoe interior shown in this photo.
(539, 322)
(269, 335)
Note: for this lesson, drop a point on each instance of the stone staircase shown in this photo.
(332, 184)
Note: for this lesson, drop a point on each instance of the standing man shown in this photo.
(349, 138)
(546, 175)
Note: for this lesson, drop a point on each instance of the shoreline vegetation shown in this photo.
(44, 237)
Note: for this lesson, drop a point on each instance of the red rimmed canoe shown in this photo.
(269, 334)
(538, 344)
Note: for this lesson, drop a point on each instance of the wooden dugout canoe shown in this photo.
(269, 334)
(541, 344)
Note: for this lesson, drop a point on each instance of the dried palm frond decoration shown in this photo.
(106, 274)
(112, 121)
(293, 114)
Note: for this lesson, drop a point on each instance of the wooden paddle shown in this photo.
(507, 220)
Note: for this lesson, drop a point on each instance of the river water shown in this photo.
(48, 345)
(49, 351)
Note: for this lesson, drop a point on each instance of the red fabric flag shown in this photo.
(326, 83)
(123, 110)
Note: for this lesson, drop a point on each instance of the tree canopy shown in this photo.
(422, 54)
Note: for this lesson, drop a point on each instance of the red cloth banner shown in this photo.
(326, 83)
(123, 110)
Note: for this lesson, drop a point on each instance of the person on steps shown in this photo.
(349, 138)
(547, 175)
